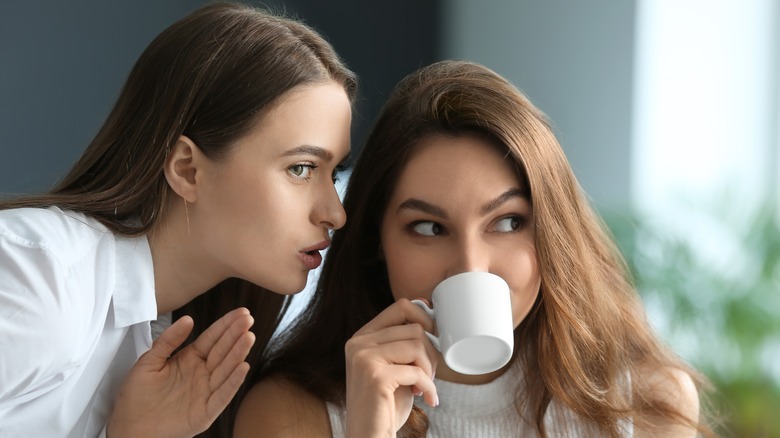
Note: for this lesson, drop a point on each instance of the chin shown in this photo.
(286, 289)
(281, 284)
(292, 288)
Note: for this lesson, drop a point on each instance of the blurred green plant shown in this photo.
(713, 293)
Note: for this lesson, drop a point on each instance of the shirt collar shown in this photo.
(134, 296)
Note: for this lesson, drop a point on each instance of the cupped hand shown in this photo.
(181, 395)
(389, 361)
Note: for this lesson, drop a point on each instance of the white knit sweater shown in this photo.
(485, 411)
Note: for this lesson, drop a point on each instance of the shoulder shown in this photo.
(281, 408)
(677, 389)
(45, 305)
(48, 256)
(64, 235)
(56, 257)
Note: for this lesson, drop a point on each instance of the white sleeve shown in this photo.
(39, 323)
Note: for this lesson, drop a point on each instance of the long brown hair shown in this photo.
(210, 76)
(587, 331)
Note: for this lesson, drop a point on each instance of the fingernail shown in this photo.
(436, 401)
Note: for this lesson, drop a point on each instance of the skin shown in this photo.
(253, 214)
(438, 223)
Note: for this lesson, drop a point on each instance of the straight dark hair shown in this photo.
(211, 76)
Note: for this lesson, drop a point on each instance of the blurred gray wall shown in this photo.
(62, 65)
(574, 60)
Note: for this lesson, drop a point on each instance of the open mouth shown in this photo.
(311, 259)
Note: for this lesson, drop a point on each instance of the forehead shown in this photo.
(442, 159)
(315, 115)
(304, 101)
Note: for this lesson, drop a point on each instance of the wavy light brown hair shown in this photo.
(586, 332)
(211, 76)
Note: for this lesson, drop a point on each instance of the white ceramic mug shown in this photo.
(473, 315)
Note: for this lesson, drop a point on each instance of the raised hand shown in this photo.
(180, 396)
(389, 360)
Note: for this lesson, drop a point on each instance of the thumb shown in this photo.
(167, 343)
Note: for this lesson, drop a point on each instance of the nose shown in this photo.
(471, 254)
(329, 212)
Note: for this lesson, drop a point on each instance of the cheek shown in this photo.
(257, 215)
(524, 283)
(237, 192)
(409, 272)
(522, 301)
(400, 274)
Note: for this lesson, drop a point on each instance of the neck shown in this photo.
(181, 273)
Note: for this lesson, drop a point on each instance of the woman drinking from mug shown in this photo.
(213, 177)
(461, 173)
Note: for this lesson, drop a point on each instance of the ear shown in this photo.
(181, 168)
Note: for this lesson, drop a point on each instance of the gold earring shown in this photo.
(187, 215)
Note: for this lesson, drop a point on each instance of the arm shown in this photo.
(43, 332)
(278, 408)
(675, 387)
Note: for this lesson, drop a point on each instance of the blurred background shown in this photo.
(669, 111)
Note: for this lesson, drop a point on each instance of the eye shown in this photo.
(301, 170)
(427, 228)
(509, 224)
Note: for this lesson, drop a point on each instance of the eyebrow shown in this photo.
(424, 207)
(502, 198)
(309, 150)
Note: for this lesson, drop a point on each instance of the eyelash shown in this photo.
(309, 165)
(334, 176)
(412, 225)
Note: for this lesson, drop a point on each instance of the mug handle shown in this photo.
(429, 311)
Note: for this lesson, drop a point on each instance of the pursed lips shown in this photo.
(311, 256)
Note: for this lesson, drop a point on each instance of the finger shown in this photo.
(211, 336)
(408, 332)
(412, 376)
(235, 357)
(224, 393)
(227, 341)
(411, 352)
(168, 341)
(401, 312)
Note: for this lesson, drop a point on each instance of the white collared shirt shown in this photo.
(76, 306)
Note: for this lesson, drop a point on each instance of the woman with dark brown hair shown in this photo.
(462, 173)
(210, 186)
